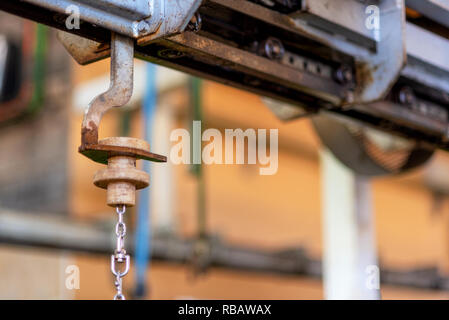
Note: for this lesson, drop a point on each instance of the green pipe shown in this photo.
(197, 169)
(40, 52)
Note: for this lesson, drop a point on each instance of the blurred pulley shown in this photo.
(367, 151)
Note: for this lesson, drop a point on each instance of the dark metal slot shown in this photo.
(243, 30)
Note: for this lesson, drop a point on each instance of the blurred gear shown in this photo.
(367, 151)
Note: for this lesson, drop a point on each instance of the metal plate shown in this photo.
(133, 18)
(100, 153)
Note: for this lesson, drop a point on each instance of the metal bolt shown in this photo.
(406, 96)
(272, 48)
(142, 27)
(344, 74)
(195, 23)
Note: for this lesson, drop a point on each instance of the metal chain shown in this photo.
(120, 257)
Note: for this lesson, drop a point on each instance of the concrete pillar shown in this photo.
(162, 186)
(350, 266)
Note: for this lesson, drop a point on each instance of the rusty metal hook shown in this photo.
(119, 92)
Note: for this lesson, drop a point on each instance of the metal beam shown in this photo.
(57, 233)
(52, 232)
(437, 10)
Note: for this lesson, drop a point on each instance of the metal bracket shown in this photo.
(377, 70)
(118, 94)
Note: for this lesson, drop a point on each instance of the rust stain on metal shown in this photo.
(364, 75)
(117, 95)
(89, 135)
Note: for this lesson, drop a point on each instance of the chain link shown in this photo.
(120, 257)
